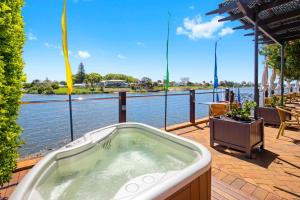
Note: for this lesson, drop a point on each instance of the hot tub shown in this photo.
(121, 162)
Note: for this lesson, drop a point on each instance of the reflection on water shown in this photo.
(46, 126)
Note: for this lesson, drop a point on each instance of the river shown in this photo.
(46, 126)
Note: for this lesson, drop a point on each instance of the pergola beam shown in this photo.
(279, 28)
(270, 20)
(291, 38)
(232, 17)
(246, 27)
(272, 4)
(285, 26)
(251, 34)
(285, 35)
(223, 9)
(233, 5)
(252, 19)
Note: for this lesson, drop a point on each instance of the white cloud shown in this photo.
(196, 28)
(192, 7)
(31, 36)
(226, 31)
(84, 54)
(122, 57)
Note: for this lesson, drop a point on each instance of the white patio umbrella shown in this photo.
(288, 87)
(279, 85)
(264, 81)
(297, 86)
(272, 80)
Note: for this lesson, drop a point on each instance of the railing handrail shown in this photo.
(108, 98)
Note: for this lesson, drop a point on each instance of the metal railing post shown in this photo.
(122, 107)
(192, 106)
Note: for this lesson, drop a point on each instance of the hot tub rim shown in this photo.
(30, 181)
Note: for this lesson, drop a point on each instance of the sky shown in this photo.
(129, 37)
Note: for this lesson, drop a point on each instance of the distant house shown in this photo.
(115, 83)
(80, 85)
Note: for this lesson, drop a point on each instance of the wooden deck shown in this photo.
(272, 174)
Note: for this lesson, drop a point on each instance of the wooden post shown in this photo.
(192, 106)
(256, 90)
(282, 71)
(227, 91)
(122, 107)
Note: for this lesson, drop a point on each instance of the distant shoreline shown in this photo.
(87, 91)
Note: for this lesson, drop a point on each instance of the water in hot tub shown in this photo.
(101, 171)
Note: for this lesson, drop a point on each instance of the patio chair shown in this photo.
(217, 110)
(267, 100)
(293, 122)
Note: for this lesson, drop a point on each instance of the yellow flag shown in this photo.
(65, 48)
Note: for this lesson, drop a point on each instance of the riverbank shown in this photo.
(77, 91)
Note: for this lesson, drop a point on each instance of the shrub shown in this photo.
(55, 85)
(11, 82)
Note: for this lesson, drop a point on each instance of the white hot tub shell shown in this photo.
(150, 183)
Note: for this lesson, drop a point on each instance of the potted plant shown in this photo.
(269, 112)
(238, 129)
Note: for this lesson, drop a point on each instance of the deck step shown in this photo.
(223, 191)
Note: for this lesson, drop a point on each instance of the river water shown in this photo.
(46, 126)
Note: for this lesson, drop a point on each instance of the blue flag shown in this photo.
(216, 80)
(239, 95)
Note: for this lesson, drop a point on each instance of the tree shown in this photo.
(185, 80)
(55, 85)
(80, 76)
(63, 83)
(146, 82)
(92, 79)
(128, 79)
(35, 82)
(291, 57)
(11, 82)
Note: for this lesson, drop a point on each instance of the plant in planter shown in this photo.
(238, 129)
(274, 101)
(242, 113)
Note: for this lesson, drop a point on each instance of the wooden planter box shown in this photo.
(243, 136)
(270, 115)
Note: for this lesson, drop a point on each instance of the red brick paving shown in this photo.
(271, 174)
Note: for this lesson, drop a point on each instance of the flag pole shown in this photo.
(216, 81)
(167, 73)
(67, 63)
(166, 107)
(71, 117)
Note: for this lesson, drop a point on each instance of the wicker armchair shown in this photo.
(294, 122)
(217, 110)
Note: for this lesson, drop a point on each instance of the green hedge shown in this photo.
(11, 79)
